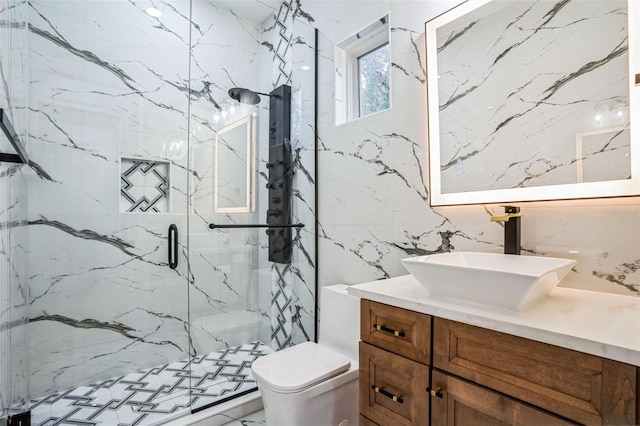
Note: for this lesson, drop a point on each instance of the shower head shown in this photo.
(245, 96)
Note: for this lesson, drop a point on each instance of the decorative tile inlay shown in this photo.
(281, 307)
(155, 394)
(282, 63)
(281, 286)
(144, 186)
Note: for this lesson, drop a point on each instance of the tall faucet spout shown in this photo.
(511, 221)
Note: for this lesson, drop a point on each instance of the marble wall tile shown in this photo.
(374, 208)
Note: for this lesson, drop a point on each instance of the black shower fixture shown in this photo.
(279, 182)
(280, 166)
(246, 96)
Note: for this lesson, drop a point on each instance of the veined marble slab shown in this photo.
(601, 324)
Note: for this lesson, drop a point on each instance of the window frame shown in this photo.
(347, 53)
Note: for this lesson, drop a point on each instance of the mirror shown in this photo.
(234, 148)
(532, 100)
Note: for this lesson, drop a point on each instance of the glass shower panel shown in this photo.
(242, 305)
(108, 116)
(13, 213)
(291, 288)
(302, 274)
(225, 316)
(130, 131)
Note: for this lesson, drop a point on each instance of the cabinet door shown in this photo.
(392, 388)
(578, 386)
(462, 404)
(397, 330)
(366, 422)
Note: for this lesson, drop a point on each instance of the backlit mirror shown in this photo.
(233, 167)
(533, 100)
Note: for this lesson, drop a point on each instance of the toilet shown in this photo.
(316, 384)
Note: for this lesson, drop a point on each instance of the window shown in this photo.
(363, 72)
(373, 81)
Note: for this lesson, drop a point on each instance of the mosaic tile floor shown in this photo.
(154, 395)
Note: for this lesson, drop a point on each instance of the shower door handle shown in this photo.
(173, 246)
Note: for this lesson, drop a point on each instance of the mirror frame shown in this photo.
(247, 121)
(613, 188)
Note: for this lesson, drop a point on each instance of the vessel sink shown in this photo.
(499, 280)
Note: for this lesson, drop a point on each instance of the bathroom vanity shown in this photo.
(573, 358)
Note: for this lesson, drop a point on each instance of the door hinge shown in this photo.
(20, 419)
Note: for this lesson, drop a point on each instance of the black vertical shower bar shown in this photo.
(280, 167)
(315, 192)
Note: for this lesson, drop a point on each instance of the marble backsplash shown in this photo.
(374, 202)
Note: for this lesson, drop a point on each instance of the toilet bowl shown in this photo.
(316, 384)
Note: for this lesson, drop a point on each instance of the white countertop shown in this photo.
(602, 324)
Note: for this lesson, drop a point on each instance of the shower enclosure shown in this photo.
(119, 303)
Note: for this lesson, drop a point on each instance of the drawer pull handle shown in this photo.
(387, 394)
(435, 392)
(389, 330)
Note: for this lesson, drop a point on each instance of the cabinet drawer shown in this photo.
(462, 403)
(581, 387)
(404, 332)
(393, 376)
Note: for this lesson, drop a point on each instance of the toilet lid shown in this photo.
(299, 367)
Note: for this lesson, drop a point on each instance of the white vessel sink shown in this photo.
(500, 280)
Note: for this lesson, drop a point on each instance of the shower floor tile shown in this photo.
(154, 395)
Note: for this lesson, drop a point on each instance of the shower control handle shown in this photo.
(173, 246)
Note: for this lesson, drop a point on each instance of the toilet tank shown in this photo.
(339, 320)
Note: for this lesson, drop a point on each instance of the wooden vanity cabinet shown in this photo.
(584, 388)
(366, 422)
(400, 331)
(465, 404)
(482, 377)
(394, 365)
(392, 388)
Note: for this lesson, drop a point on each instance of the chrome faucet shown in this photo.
(511, 220)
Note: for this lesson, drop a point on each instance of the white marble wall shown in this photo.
(374, 208)
(13, 209)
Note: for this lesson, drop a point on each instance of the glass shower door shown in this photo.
(108, 126)
(244, 301)
(224, 311)
(13, 209)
